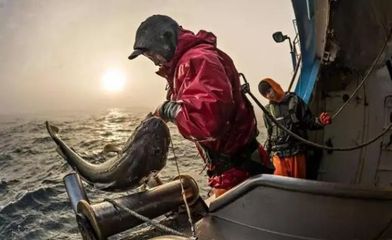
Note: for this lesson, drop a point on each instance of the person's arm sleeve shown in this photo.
(308, 119)
(168, 110)
(206, 100)
(268, 126)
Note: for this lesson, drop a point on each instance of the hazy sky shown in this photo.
(54, 53)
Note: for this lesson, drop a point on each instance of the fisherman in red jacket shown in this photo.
(204, 99)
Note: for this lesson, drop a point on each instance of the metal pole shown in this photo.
(292, 53)
(75, 189)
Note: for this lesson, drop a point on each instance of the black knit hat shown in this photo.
(157, 34)
(264, 87)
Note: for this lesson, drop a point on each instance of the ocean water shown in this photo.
(33, 200)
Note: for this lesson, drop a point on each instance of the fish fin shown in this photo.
(52, 128)
(154, 181)
(142, 188)
(101, 186)
(150, 114)
(111, 148)
(55, 129)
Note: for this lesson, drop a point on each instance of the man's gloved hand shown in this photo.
(325, 118)
(159, 112)
(167, 111)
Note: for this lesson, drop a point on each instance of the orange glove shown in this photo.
(325, 118)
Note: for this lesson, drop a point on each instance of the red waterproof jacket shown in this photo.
(205, 82)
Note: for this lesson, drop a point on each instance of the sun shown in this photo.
(113, 80)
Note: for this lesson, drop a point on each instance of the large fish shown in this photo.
(142, 157)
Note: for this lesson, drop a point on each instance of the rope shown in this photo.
(156, 223)
(188, 211)
(246, 89)
(145, 219)
(383, 231)
(370, 70)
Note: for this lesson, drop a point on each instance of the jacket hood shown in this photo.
(277, 89)
(158, 34)
(185, 41)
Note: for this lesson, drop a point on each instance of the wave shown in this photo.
(89, 143)
(34, 215)
(42, 140)
(4, 157)
(29, 199)
(118, 119)
(28, 154)
(27, 150)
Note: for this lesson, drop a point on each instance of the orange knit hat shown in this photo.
(279, 93)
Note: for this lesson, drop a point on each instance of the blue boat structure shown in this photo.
(345, 68)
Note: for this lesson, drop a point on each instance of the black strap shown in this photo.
(220, 163)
